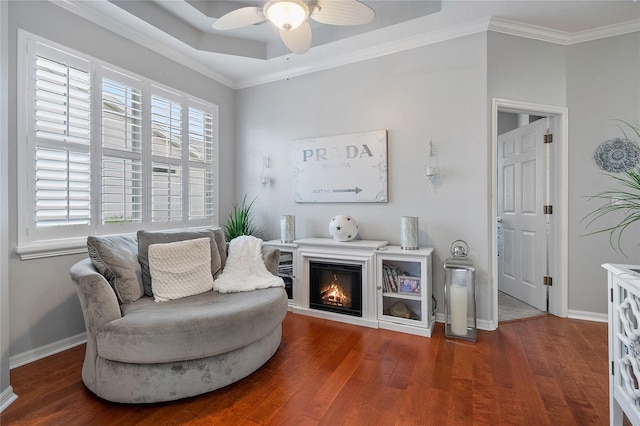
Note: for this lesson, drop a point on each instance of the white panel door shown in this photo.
(521, 189)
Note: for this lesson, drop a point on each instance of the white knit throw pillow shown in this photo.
(180, 269)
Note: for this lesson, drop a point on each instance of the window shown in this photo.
(108, 152)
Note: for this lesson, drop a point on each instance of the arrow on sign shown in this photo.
(356, 190)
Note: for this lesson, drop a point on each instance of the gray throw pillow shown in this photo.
(116, 258)
(146, 238)
(222, 248)
(271, 257)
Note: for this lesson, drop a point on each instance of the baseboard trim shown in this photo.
(481, 324)
(6, 398)
(46, 350)
(588, 316)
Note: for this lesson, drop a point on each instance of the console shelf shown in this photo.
(404, 290)
(383, 300)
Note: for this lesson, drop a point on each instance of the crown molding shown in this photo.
(124, 24)
(564, 38)
(323, 57)
(332, 61)
(622, 28)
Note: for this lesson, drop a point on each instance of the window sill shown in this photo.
(69, 246)
(52, 248)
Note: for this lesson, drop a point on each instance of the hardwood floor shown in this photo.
(543, 371)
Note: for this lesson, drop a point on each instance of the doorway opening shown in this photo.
(529, 205)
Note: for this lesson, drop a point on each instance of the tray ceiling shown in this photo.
(181, 29)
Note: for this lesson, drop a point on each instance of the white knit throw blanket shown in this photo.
(245, 269)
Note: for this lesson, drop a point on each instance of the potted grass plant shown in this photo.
(240, 221)
(623, 201)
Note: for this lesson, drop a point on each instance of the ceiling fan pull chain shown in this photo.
(287, 59)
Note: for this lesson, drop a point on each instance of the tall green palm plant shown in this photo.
(624, 201)
(240, 221)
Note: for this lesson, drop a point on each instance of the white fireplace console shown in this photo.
(374, 257)
(624, 342)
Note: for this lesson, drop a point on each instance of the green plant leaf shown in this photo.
(627, 199)
(240, 221)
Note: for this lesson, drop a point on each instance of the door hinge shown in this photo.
(611, 295)
(547, 281)
(547, 209)
(548, 138)
(612, 368)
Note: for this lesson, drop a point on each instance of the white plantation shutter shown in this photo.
(166, 152)
(166, 127)
(63, 102)
(122, 143)
(201, 196)
(106, 151)
(201, 177)
(62, 131)
(121, 116)
(201, 136)
(121, 190)
(166, 194)
(63, 187)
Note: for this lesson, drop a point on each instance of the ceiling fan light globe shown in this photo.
(286, 14)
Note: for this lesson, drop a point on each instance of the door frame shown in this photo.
(558, 292)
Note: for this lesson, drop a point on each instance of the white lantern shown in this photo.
(460, 294)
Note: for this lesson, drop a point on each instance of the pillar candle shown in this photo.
(458, 303)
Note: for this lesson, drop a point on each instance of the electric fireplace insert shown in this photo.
(336, 287)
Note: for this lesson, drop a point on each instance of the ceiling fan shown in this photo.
(290, 16)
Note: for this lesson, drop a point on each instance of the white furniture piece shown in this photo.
(374, 257)
(407, 268)
(624, 342)
(288, 267)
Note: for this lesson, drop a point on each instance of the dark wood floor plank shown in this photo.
(544, 371)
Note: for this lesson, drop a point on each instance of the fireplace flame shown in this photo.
(332, 294)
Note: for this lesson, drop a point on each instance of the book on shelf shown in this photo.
(391, 277)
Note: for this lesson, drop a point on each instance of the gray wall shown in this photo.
(427, 93)
(44, 307)
(603, 84)
(597, 81)
(435, 92)
(4, 224)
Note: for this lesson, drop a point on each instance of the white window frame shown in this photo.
(36, 243)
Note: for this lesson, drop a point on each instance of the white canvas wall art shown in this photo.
(341, 169)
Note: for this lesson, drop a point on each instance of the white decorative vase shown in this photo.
(287, 228)
(343, 228)
(409, 233)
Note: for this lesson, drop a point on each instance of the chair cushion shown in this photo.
(192, 327)
(146, 238)
(180, 269)
(116, 258)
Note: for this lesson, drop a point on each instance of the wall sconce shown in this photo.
(431, 167)
(264, 175)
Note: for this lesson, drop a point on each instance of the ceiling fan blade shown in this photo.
(238, 18)
(343, 12)
(298, 40)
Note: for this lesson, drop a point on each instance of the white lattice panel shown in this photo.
(629, 345)
(624, 344)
